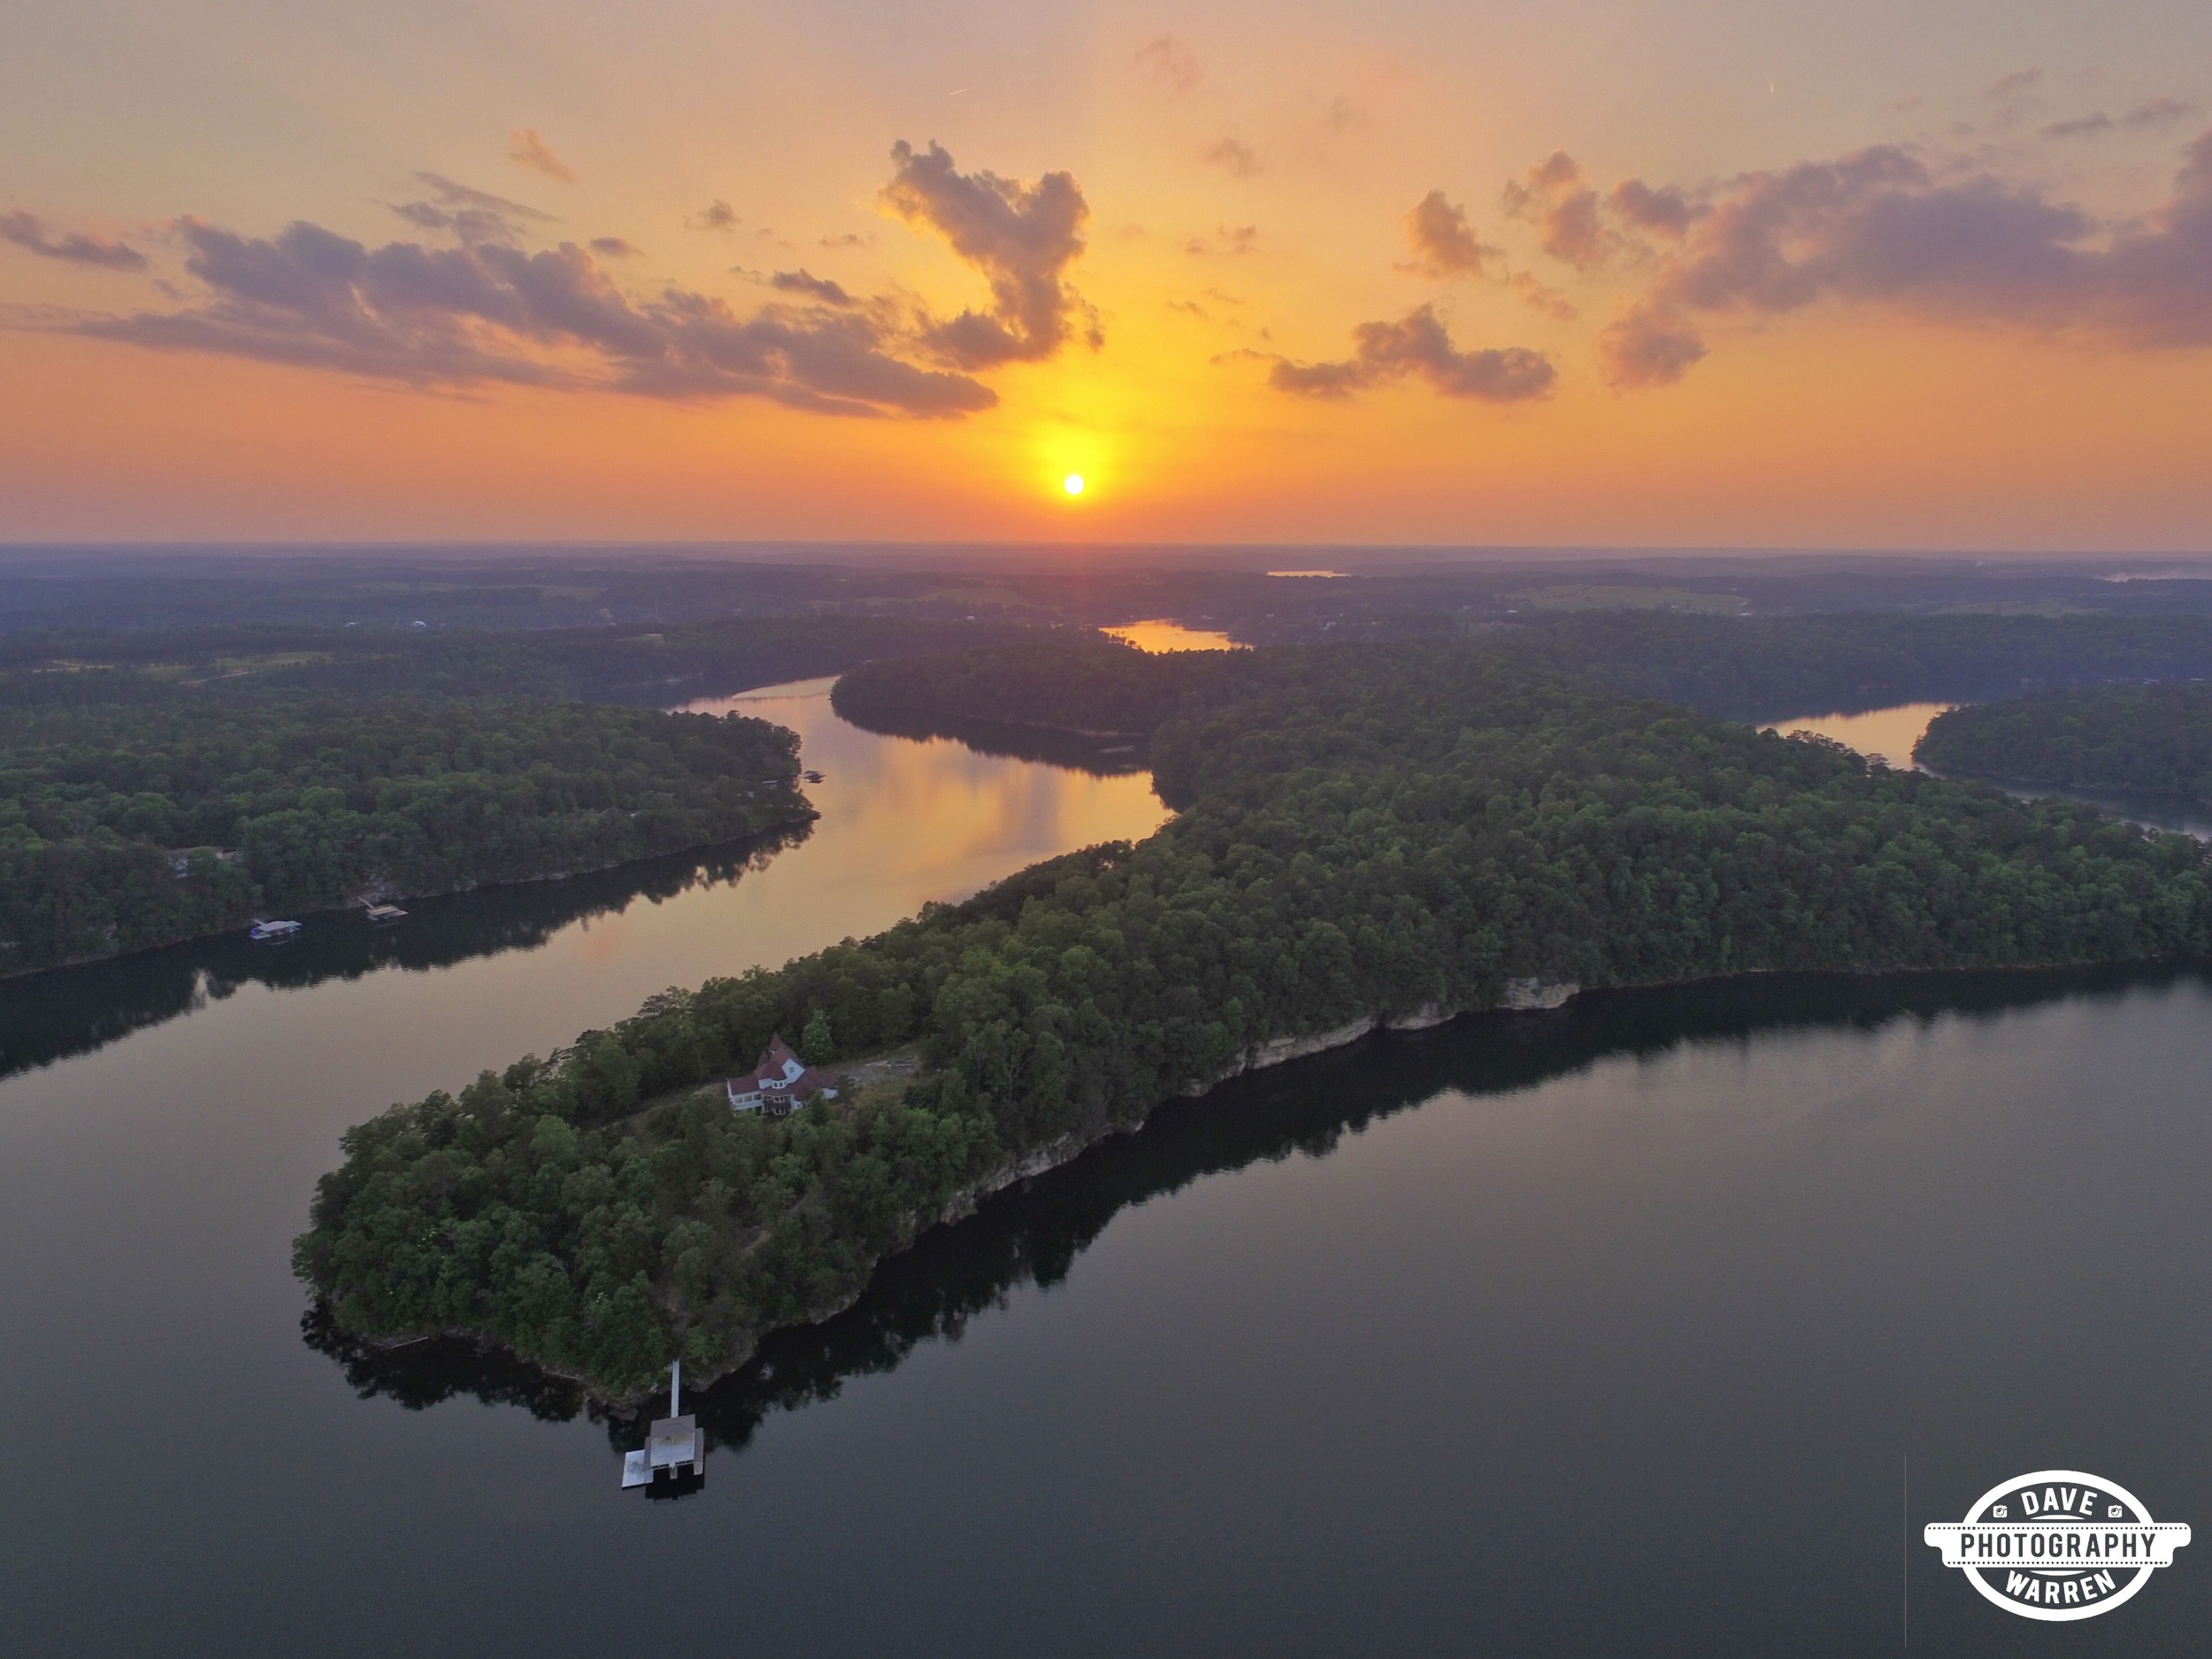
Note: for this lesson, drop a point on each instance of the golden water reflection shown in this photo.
(904, 822)
(1160, 635)
(1886, 734)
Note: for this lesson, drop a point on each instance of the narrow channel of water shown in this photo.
(1888, 735)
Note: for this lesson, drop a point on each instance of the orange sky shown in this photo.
(1882, 279)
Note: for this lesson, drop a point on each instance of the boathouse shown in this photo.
(780, 1081)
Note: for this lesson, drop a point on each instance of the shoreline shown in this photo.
(810, 816)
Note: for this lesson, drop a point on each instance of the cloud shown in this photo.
(525, 149)
(1417, 343)
(2017, 84)
(471, 215)
(613, 248)
(2157, 112)
(1342, 115)
(819, 287)
(716, 215)
(848, 239)
(1021, 237)
(1881, 226)
(1171, 64)
(1537, 297)
(1665, 213)
(1234, 240)
(74, 247)
(2081, 127)
(1648, 344)
(2150, 115)
(1556, 196)
(1444, 243)
(1234, 155)
(489, 312)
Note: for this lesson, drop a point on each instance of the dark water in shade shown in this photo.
(1604, 1332)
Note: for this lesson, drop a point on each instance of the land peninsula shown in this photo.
(162, 785)
(1363, 836)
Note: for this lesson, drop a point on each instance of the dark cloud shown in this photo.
(1021, 237)
(1173, 67)
(716, 215)
(525, 149)
(1556, 196)
(25, 230)
(488, 311)
(1417, 343)
(1881, 226)
(848, 239)
(819, 287)
(470, 215)
(1233, 155)
(1444, 243)
(613, 248)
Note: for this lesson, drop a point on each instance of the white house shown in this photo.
(780, 1081)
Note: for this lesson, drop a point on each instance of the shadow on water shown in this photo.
(49, 1016)
(1033, 1233)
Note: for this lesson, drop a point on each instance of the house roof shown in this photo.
(775, 1072)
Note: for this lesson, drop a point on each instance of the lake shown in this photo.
(1606, 1330)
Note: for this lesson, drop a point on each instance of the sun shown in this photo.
(1072, 483)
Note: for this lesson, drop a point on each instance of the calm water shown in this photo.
(1888, 734)
(1603, 1331)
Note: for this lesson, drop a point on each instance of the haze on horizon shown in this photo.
(1584, 274)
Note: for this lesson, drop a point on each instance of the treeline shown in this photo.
(161, 785)
(652, 666)
(1736, 667)
(1367, 835)
(125, 826)
(2156, 739)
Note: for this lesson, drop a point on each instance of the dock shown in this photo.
(673, 1458)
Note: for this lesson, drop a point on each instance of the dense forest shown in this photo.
(1736, 667)
(649, 666)
(124, 827)
(160, 785)
(1366, 835)
(2156, 739)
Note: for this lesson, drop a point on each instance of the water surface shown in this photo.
(1605, 1331)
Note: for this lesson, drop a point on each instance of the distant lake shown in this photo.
(1885, 734)
(1602, 1332)
(1160, 635)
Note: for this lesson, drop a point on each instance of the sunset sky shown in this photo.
(1881, 275)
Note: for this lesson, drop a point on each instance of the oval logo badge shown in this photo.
(2058, 1545)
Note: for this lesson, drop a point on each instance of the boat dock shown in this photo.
(673, 1459)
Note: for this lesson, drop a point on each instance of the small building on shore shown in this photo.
(779, 1082)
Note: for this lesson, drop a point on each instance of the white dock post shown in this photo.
(675, 1389)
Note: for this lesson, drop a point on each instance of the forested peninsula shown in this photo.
(1365, 836)
(162, 785)
(2155, 738)
(125, 829)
